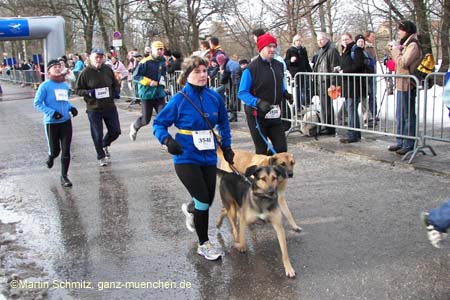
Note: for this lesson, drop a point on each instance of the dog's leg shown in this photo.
(278, 226)
(232, 218)
(223, 213)
(287, 213)
(241, 246)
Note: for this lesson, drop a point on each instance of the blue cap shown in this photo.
(98, 51)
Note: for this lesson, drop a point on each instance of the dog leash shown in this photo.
(232, 167)
(269, 144)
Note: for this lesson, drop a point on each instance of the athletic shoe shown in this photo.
(436, 238)
(107, 155)
(103, 162)
(207, 251)
(189, 217)
(65, 181)
(133, 132)
(49, 162)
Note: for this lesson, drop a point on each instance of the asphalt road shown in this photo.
(119, 233)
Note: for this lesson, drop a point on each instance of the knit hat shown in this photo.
(264, 40)
(221, 58)
(407, 26)
(52, 63)
(359, 37)
(157, 45)
(243, 61)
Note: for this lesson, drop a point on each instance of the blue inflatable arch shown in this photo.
(49, 28)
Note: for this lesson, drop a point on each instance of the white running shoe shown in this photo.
(436, 238)
(103, 162)
(189, 217)
(208, 251)
(133, 132)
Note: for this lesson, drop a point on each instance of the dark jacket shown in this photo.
(301, 64)
(91, 78)
(353, 87)
(148, 71)
(327, 58)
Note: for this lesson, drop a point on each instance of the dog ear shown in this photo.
(281, 171)
(251, 170)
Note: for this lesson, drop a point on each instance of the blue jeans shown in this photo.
(405, 115)
(373, 107)
(353, 118)
(440, 217)
(111, 118)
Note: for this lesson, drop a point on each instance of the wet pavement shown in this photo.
(119, 233)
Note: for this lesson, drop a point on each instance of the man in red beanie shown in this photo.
(263, 91)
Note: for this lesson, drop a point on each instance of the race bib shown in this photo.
(61, 95)
(101, 93)
(274, 112)
(203, 140)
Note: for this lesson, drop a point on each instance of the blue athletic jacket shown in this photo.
(180, 112)
(46, 101)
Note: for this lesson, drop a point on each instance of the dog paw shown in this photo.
(297, 228)
(290, 273)
(241, 248)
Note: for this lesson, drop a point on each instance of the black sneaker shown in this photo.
(49, 162)
(65, 181)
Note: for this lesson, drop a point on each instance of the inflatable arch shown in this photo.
(49, 28)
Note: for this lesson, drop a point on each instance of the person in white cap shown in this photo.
(150, 78)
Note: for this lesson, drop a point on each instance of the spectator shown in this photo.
(204, 50)
(213, 71)
(98, 86)
(228, 78)
(372, 90)
(150, 78)
(353, 88)
(407, 56)
(437, 222)
(175, 65)
(52, 98)
(327, 59)
(195, 111)
(262, 90)
(214, 48)
(297, 61)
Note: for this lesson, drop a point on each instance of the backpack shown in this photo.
(369, 61)
(426, 66)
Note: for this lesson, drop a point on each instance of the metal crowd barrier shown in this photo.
(310, 93)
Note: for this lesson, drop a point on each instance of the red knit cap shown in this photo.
(264, 40)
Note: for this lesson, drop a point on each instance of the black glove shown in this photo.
(263, 106)
(57, 115)
(74, 111)
(116, 95)
(173, 146)
(288, 97)
(228, 154)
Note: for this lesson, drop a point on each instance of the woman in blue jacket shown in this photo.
(52, 98)
(194, 146)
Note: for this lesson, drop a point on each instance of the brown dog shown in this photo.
(244, 159)
(254, 198)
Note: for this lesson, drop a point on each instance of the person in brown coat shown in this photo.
(407, 56)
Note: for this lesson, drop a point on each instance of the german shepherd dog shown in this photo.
(244, 159)
(254, 198)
